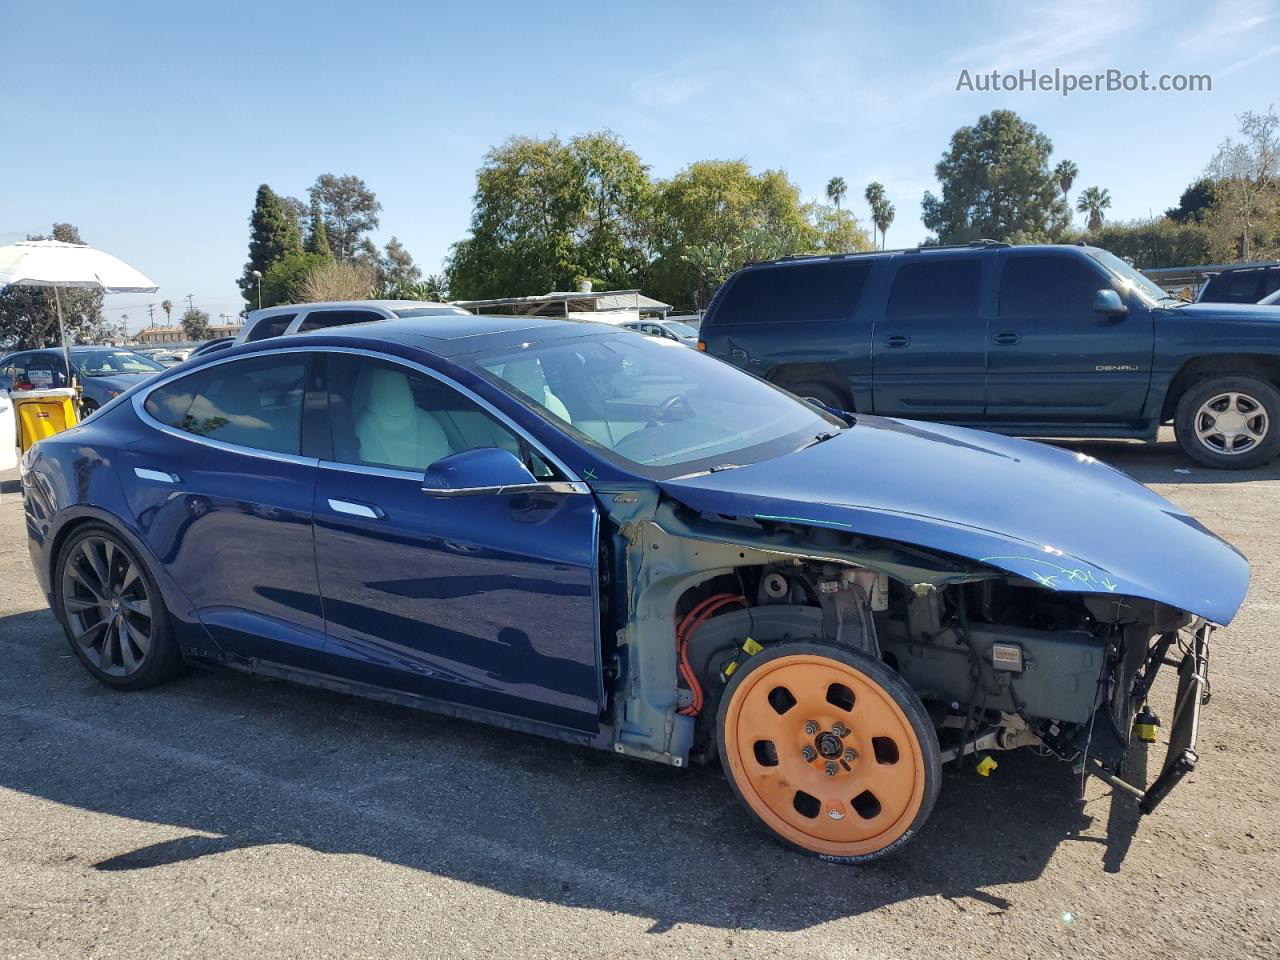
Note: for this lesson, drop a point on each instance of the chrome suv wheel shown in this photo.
(1229, 422)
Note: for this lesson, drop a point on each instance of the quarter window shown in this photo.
(270, 327)
(1048, 287)
(385, 415)
(799, 293)
(254, 402)
(936, 289)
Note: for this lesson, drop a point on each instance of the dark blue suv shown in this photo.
(1036, 341)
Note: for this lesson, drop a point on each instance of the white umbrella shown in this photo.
(53, 263)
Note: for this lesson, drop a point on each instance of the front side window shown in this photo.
(254, 402)
(1048, 287)
(654, 405)
(936, 288)
(270, 327)
(809, 292)
(386, 415)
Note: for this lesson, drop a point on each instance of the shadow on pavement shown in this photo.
(233, 762)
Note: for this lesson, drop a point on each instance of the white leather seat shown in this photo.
(391, 428)
(527, 377)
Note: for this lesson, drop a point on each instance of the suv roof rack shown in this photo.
(923, 248)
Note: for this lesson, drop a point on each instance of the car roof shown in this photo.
(447, 335)
(345, 305)
(931, 250)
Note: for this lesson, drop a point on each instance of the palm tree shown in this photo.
(883, 219)
(167, 307)
(1065, 173)
(1093, 201)
(836, 189)
(875, 199)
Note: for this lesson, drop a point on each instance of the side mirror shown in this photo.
(483, 470)
(1109, 304)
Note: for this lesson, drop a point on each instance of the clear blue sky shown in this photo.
(150, 125)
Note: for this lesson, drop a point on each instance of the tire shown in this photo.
(762, 736)
(820, 393)
(112, 611)
(1231, 423)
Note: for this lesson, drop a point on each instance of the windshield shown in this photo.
(681, 329)
(110, 363)
(655, 406)
(1134, 280)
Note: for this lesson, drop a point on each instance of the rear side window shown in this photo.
(254, 402)
(827, 290)
(270, 327)
(936, 289)
(1048, 286)
(318, 319)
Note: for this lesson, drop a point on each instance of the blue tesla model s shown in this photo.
(611, 539)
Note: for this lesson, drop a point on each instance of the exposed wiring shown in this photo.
(687, 627)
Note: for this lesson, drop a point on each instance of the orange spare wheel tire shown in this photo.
(830, 750)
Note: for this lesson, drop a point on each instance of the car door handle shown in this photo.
(1006, 339)
(160, 476)
(898, 342)
(739, 354)
(356, 509)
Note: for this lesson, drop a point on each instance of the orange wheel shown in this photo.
(830, 750)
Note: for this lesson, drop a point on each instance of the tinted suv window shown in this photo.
(270, 327)
(255, 402)
(1048, 286)
(935, 288)
(318, 319)
(827, 290)
(386, 415)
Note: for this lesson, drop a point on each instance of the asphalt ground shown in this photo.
(225, 816)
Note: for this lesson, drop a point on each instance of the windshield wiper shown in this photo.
(820, 438)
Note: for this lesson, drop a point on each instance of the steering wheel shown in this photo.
(662, 413)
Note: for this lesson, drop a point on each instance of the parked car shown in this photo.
(667, 329)
(104, 372)
(1034, 341)
(165, 357)
(621, 543)
(1248, 283)
(304, 317)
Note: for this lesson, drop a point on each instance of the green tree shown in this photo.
(317, 233)
(283, 280)
(996, 183)
(195, 324)
(1158, 243)
(1246, 177)
(835, 230)
(273, 234)
(875, 199)
(1065, 174)
(1093, 201)
(836, 189)
(884, 220)
(395, 270)
(350, 211)
(548, 214)
(167, 307)
(715, 216)
(28, 317)
(1195, 203)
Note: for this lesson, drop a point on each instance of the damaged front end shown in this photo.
(1000, 659)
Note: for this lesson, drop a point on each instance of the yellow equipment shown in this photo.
(42, 413)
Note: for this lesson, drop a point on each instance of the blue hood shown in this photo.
(1253, 312)
(120, 381)
(1062, 519)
